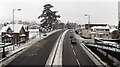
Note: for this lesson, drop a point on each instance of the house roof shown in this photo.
(91, 25)
(17, 27)
(100, 27)
(8, 35)
(23, 35)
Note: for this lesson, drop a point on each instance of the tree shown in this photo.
(115, 34)
(49, 17)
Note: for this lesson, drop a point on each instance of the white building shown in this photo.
(100, 31)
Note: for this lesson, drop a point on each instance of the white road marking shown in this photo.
(58, 56)
(78, 62)
(74, 52)
(55, 57)
(72, 46)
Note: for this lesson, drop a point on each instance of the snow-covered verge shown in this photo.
(19, 49)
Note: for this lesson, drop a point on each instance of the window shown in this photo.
(22, 38)
(106, 29)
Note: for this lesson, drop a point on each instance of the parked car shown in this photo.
(44, 34)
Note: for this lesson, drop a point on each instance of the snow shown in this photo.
(109, 42)
(7, 35)
(33, 32)
(17, 27)
(100, 27)
(22, 35)
(113, 29)
(4, 29)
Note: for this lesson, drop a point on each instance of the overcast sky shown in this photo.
(101, 11)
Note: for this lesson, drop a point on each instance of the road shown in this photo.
(38, 53)
(73, 54)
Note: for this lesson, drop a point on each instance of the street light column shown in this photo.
(88, 19)
(13, 27)
(88, 15)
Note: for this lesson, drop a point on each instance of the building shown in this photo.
(96, 31)
(100, 32)
(19, 34)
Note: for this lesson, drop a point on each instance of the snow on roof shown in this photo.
(17, 28)
(112, 29)
(100, 27)
(22, 35)
(33, 29)
(4, 29)
(8, 35)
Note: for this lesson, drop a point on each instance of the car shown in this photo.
(71, 31)
(73, 41)
(44, 34)
(71, 36)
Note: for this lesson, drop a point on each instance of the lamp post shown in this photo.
(13, 25)
(88, 15)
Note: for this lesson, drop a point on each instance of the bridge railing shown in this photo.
(102, 45)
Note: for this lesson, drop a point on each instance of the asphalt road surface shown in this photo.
(74, 55)
(37, 54)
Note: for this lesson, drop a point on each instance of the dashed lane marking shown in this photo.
(72, 46)
(78, 62)
(74, 52)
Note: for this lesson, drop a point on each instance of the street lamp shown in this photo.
(13, 25)
(88, 15)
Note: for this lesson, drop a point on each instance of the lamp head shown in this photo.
(19, 9)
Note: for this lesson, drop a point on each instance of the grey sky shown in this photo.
(74, 11)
